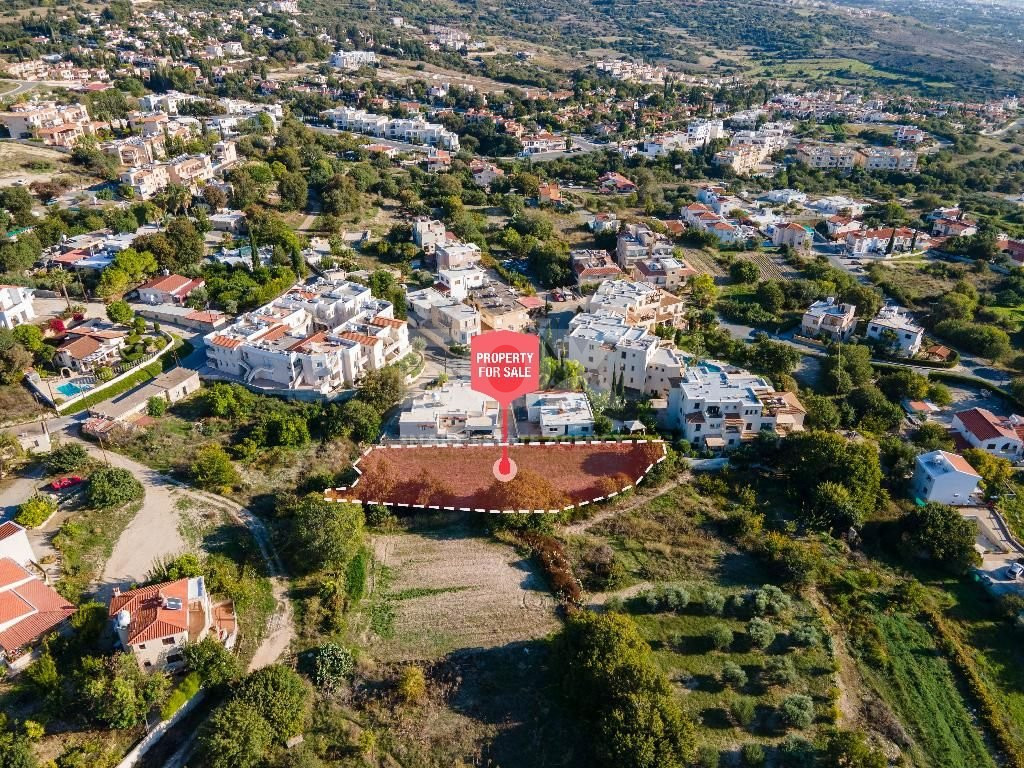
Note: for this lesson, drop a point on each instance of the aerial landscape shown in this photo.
(511, 384)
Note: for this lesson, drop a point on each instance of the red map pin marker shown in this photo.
(504, 365)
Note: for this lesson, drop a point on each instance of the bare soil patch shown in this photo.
(438, 590)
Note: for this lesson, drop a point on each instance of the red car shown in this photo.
(66, 482)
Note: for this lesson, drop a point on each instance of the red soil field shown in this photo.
(551, 476)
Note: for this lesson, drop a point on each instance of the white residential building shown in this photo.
(638, 242)
(14, 544)
(609, 348)
(945, 478)
(451, 319)
(15, 306)
(459, 281)
(353, 59)
(827, 318)
(412, 130)
(454, 411)
(455, 254)
(718, 407)
(980, 428)
(894, 326)
(640, 304)
(146, 181)
(321, 336)
(560, 414)
(428, 233)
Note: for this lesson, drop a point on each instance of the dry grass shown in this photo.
(448, 589)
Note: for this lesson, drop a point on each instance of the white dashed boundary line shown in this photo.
(336, 497)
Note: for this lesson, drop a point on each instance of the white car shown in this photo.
(1014, 570)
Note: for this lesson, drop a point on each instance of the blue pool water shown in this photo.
(70, 389)
(713, 368)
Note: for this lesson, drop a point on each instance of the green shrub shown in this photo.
(113, 487)
(797, 711)
(34, 511)
(805, 635)
(355, 576)
(66, 458)
(332, 665)
(753, 755)
(732, 675)
(761, 633)
(795, 752)
(156, 407)
(769, 600)
(720, 637)
(708, 757)
(742, 709)
(778, 670)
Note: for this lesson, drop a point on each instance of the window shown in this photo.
(168, 641)
(697, 427)
(142, 647)
(147, 664)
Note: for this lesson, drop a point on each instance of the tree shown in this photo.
(69, 457)
(35, 511)
(187, 246)
(362, 420)
(235, 736)
(116, 692)
(112, 487)
(156, 406)
(744, 272)
(214, 663)
(940, 533)
(120, 312)
(212, 469)
(326, 535)
(832, 508)
(797, 711)
(527, 490)
(720, 637)
(279, 696)
(184, 566)
(294, 191)
(995, 471)
(932, 436)
(383, 389)
(608, 673)
(703, 290)
(903, 384)
(812, 457)
(821, 412)
(14, 358)
(732, 674)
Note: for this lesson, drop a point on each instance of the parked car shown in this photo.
(63, 483)
(1014, 570)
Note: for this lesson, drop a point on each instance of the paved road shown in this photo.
(20, 87)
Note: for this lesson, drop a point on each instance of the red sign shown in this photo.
(505, 365)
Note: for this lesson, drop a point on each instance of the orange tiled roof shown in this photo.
(150, 620)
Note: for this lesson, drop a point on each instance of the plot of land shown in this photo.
(550, 476)
(443, 589)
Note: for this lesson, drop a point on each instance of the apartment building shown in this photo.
(894, 326)
(147, 180)
(136, 150)
(889, 159)
(321, 336)
(742, 159)
(700, 132)
(428, 233)
(720, 407)
(666, 272)
(827, 318)
(828, 156)
(609, 348)
(500, 308)
(450, 318)
(190, 170)
(60, 125)
(593, 267)
(15, 306)
(638, 242)
(456, 254)
(884, 241)
(452, 412)
(641, 304)
(353, 59)
(413, 130)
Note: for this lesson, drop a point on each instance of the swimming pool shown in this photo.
(70, 389)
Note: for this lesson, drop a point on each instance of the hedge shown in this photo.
(181, 694)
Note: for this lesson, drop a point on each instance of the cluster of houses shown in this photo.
(892, 326)
(56, 125)
(411, 130)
